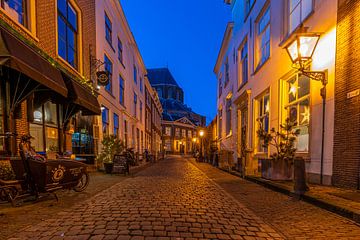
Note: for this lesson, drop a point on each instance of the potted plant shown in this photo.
(280, 164)
(111, 145)
(6, 171)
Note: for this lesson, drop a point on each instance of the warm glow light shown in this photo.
(194, 139)
(293, 89)
(201, 133)
(302, 48)
(306, 115)
(267, 107)
(324, 54)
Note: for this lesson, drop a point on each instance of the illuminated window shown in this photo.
(177, 132)
(168, 131)
(183, 133)
(297, 106)
(67, 32)
(263, 38)
(189, 134)
(109, 69)
(220, 122)
(263, 109)
(228, 116)
(298, 11)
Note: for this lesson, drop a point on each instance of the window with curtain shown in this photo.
(116, 124)
(17, 10)
(105, 120)
(228, 117)
(108, 29)
(297, 105)
(109, 68)
(67, 32)
(298, 11)
(122, 90)
(263, 109)
(263, 38)
(244, 63)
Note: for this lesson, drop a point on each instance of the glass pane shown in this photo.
(16, 10)
(71, 36)
(50, 113)
(294, 19)
(72, 18)
(38, 115)
(266, 104)
(293, 4)
(292, 90)
(61, 4)
(71, 57)
(265, 19)
(36, 131)
(293, 113)
(303, 139)
(52, 139)
(306, 7)
(304, 116)
(304, 86)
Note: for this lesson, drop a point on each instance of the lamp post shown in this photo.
(201, 134)
(301, 50)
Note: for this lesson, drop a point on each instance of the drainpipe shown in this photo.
(323, 95)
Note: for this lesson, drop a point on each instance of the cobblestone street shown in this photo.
(174, 199)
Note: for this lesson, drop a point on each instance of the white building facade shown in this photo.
(123, 100)
(256, 80)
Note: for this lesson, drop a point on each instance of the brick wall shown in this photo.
(347, 110)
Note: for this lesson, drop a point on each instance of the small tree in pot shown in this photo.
(283, 140)
(111, 146)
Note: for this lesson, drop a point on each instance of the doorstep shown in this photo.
(343, 202)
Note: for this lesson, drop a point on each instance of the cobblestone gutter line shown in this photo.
(309, 198)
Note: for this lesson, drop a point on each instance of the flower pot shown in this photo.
(108, 167)
(276, 170)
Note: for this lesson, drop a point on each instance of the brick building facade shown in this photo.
(346, 167)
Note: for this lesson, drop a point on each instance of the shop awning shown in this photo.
(82, 96)
(17, 55)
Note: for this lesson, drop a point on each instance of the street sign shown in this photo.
(102, 78)
(120, 164)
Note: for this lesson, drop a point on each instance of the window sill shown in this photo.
(31, 33)
(67, 64)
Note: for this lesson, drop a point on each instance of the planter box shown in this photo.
(276, 170)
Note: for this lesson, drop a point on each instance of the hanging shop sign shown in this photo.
(102, 78)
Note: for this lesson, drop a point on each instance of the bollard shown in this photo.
(300, 186)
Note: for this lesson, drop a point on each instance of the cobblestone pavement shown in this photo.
(293, 219)
(170, 200)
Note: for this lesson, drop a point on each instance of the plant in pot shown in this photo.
(278, 167)
(111, 145)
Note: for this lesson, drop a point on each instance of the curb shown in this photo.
(341, 211)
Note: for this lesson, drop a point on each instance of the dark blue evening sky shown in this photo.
(186, 36)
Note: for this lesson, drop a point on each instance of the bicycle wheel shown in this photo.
(83, 182)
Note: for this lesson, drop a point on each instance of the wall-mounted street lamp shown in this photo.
(301, 50)
(201, 134)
